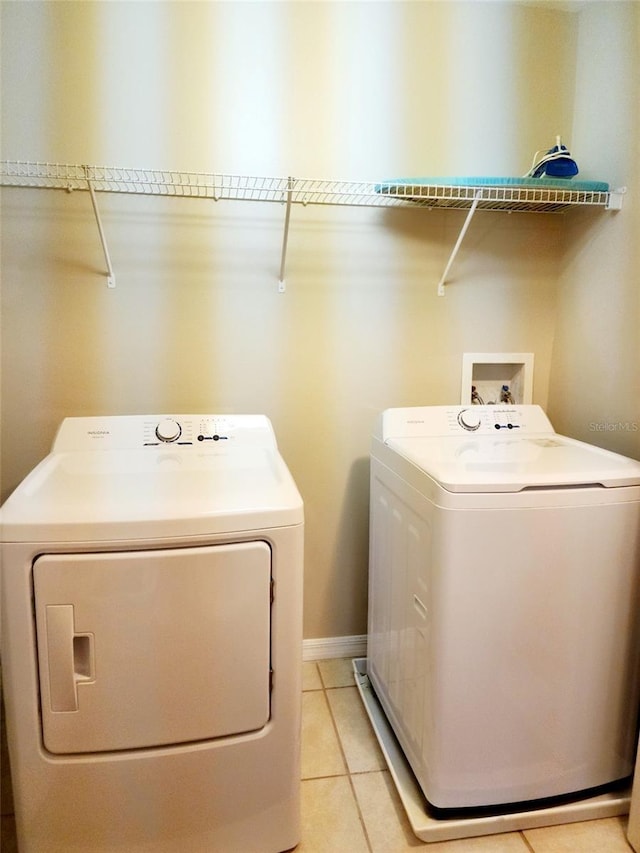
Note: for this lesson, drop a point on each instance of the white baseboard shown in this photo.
(335, 647)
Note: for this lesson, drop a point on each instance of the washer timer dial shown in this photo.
(469, 420)
(168, 430)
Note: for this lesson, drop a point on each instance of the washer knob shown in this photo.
(168, 430)
(469, 420)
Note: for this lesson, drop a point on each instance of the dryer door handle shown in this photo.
(69, 655)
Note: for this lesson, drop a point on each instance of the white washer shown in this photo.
(504, 637)
(151, 638)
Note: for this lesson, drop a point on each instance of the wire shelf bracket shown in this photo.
(285, 237)
(111, 278)
(454, 252)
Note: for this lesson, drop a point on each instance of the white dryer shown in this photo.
(504, 604)
(151, 639)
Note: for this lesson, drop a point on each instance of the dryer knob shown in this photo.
(168, 430)
(469, 419)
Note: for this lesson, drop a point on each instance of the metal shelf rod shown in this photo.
(111, 279)
(285, 237)
(463, 231)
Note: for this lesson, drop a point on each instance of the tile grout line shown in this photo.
(346, 763)
(526, 841)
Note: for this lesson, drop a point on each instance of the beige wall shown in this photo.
(595, 381)
(346, 90)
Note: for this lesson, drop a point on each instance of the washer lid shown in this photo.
(152, 493)
(511, 464)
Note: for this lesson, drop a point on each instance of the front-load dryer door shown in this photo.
(151, 648)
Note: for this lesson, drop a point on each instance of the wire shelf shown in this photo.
(108, 179)
(289, 191)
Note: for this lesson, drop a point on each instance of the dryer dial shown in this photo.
(168, 430)
(469, 420)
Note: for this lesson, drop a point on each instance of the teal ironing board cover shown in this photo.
(539, 183)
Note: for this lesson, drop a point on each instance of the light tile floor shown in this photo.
(349, 803)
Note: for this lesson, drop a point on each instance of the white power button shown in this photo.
(469, 419)
(168, 430)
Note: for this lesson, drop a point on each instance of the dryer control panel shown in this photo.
(461, 420)
(130, 432)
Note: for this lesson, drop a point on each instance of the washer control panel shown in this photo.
(128, 432)
(189, 430)
(463, 420)
(491, 418)
(199, 429)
